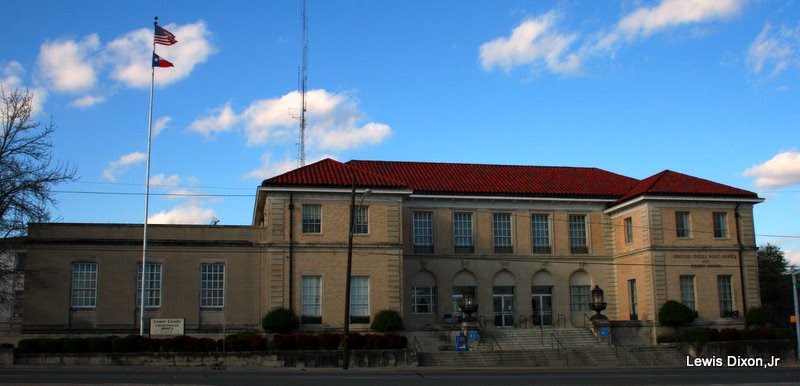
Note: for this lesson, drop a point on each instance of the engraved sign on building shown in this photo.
(166, 326)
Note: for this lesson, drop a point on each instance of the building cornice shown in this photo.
(643, 198)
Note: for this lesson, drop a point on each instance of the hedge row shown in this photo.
(237, 342)
(136, 343)
(726, 334)
(329, 341)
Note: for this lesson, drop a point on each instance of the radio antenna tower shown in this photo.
(301, 157)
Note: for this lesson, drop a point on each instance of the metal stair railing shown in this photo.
(500, 349)
(554, 338)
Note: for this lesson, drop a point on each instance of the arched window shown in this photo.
(423, 293)
(579, 295)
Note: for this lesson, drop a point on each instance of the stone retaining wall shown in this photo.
(299, 359)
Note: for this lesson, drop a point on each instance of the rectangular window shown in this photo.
(212, 285)
(423, 300)
(312, 219)
(628, 230)
(84, 285)
(632, 296)
(687, 291)
(311, 299)
(682, 226)
(361, 220)
(540, 232)
(152, 287)
(501, 224)
(720, 225)
(577, 234)
(423, 232)
(725, 293)
(462, 232)
(359, 299)
(579, 297)
(20, 263)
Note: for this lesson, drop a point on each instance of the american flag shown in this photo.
(164, 37)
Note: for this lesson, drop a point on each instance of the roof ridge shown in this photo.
(480, 164)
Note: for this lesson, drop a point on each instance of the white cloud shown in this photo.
(538, 42)
(12, 74)
(782, 170)
(115, 168)
(68, 65)
(333, 121)
(189, 213)
(130, 54)
(220, 120)
(269, 169)
(165, 180)
(534, 41)
(87, 101)
(160, 124)
(775, 48)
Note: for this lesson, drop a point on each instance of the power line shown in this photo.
(152, 194)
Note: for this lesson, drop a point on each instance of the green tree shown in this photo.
(775, 283)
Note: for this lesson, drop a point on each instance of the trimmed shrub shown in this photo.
(675, 314)
(306, 342)
(783, 333)
(701, 335)
(729, 334)
(7, 345)
(757, 316)
(245, 342)
(99, 344)
(396, 341)
(330, 341)
(356, 341)
(374, 341)
(284, 341)
(387, 320)
(133, 343)
(280, 320)
(75, 345)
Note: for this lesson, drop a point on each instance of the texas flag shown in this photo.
(158, 62)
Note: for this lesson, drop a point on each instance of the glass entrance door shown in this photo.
(503, 306)
(542, 305)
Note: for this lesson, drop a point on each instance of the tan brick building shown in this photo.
(530, 242)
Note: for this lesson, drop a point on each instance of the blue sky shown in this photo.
(635, 87)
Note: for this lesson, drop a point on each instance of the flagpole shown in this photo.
(147, 189)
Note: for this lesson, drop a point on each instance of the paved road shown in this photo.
(456, 377)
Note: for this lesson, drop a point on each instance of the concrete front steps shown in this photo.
(535, 338)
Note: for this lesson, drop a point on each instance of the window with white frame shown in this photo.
(628, 230)
(501, 226)
(462, 232)
(683, 228)
(578, 242)
(361, 220)
(359, 299)
(311, 299)
(152, 287)
(633, 298)
(725, 293)
(687, 291)
(423, 231)
(579, 297)
(312, 218)
(212, 285)
(423, 299)
(720, 225)
(84, 285)
(540, 233)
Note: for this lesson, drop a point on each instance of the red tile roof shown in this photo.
(669, 183)
(331, 173)
(500, 180)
